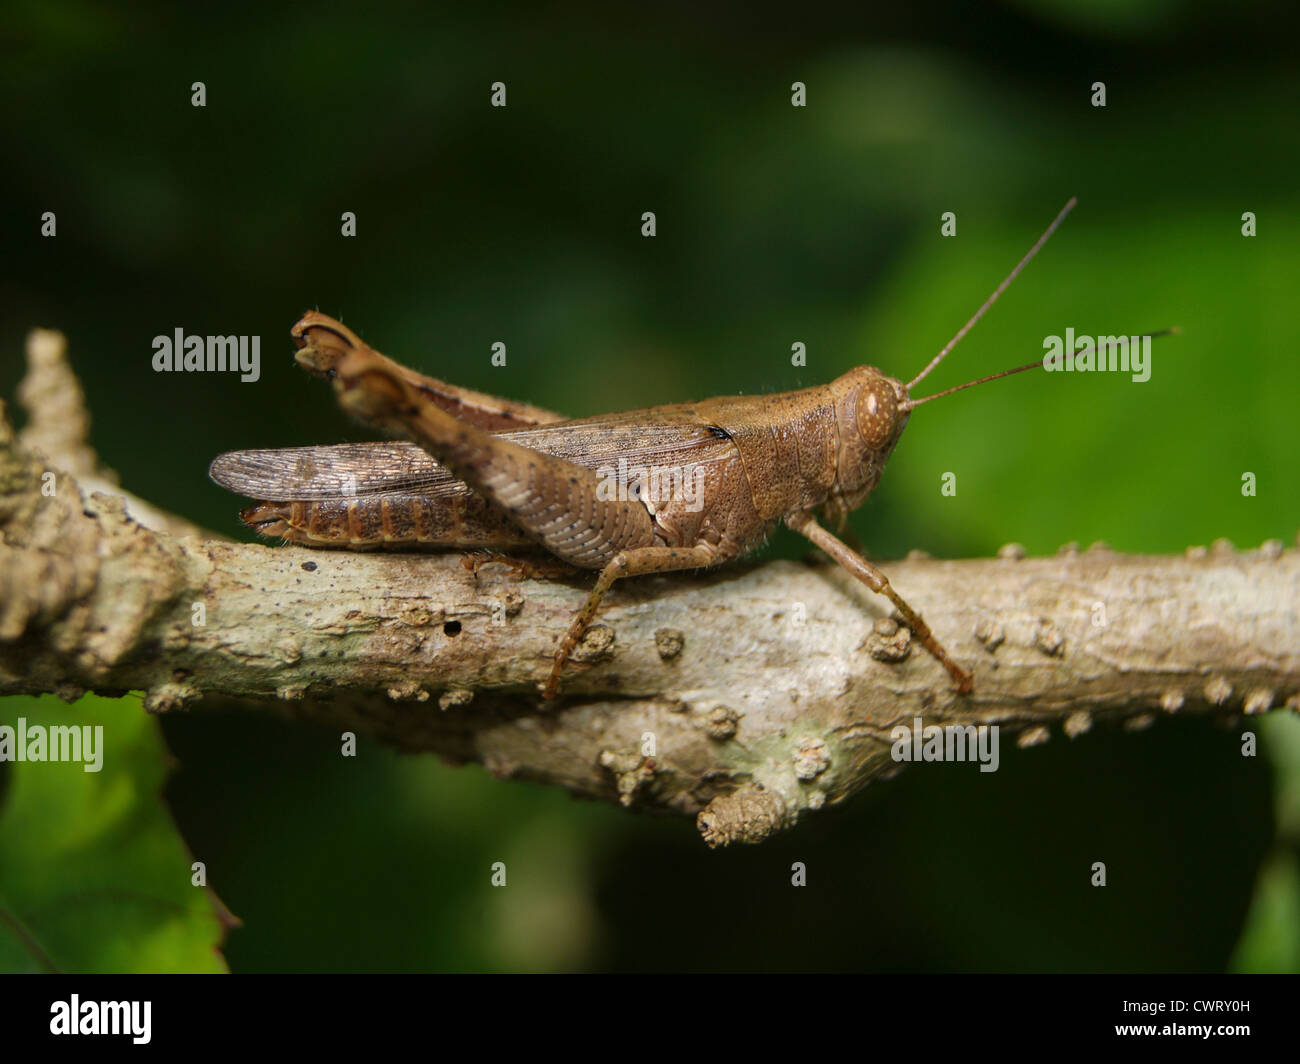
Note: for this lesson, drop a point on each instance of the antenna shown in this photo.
(993, 299)
(911, 404)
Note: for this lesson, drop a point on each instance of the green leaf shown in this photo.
(94, 876)
(1268, 941)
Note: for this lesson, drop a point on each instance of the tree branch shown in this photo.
(746, 696)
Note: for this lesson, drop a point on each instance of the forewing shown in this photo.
(344, 470)
(662, 437)
(341, 470)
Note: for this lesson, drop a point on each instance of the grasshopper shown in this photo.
(485, 472)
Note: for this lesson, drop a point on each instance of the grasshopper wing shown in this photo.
(342, 470)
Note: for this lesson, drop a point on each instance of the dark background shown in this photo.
(775, 224)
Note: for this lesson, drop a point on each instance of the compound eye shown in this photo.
(877, 414)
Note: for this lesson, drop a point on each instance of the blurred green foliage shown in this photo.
(775, 225)
(93, 876)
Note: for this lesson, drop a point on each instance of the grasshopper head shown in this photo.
(871, 411)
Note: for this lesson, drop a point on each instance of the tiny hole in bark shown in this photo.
(451, 628)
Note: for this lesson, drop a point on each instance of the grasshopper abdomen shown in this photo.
(388, 522)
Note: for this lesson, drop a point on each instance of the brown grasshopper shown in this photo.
(485, 472)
